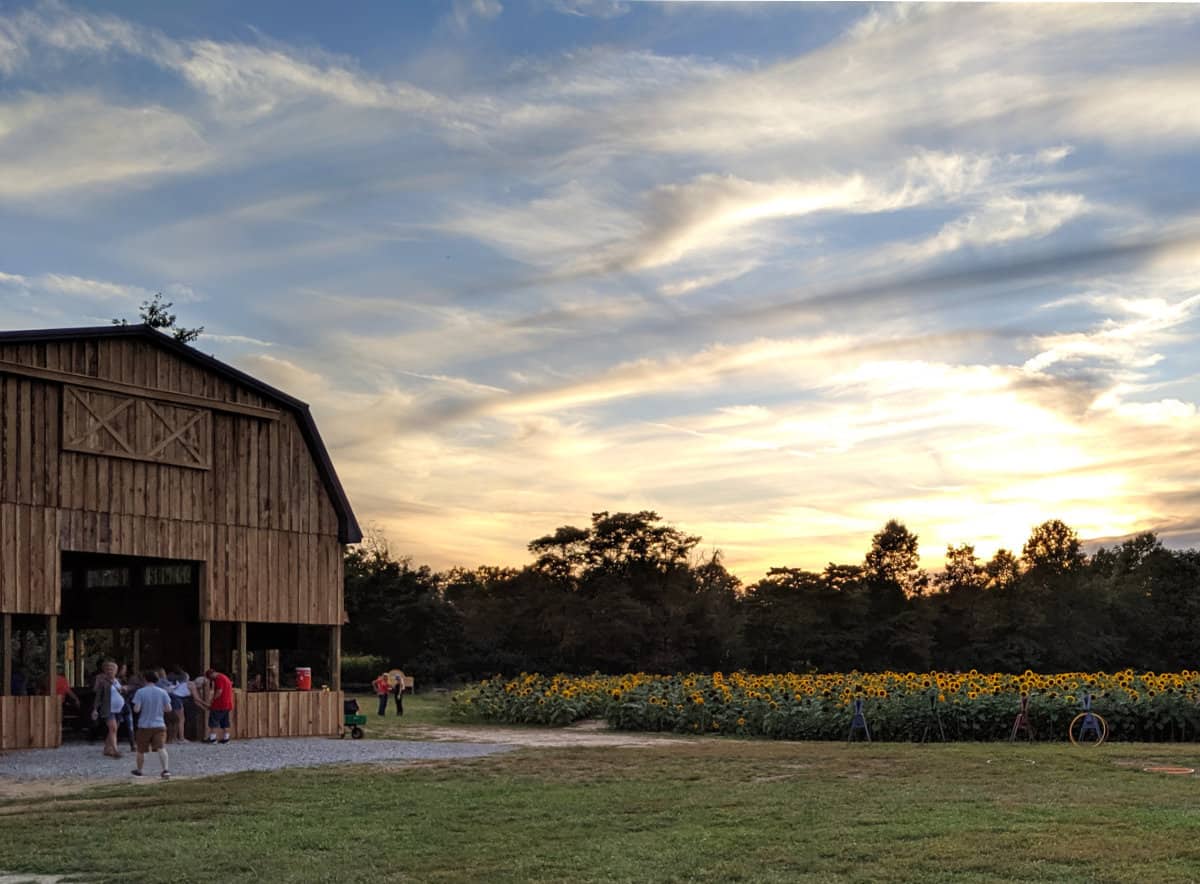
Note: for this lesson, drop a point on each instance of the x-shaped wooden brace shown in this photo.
(177, 433)
(103, 421)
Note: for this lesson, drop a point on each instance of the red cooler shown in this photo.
(303, 678)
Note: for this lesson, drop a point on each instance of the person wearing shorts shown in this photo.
(179, 687)
(151, 704)
(220, 708)
(105, 708)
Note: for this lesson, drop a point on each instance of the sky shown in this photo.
(778, 272)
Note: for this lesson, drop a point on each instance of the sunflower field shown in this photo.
(899, 706)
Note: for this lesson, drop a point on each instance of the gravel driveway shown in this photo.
(84, 761)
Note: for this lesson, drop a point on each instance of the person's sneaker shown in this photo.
(137, 773)
(211, 740)
(166, 775)
(223, 742)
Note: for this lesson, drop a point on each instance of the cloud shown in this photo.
(562, 230)
(464, 12)
(590, 8)
(577, 230)
(1129, 343)
(1125, 110)
(712, 228)
(1007, 74)
(50, 144)
(73, 286)
(236, 339)
(1000, 219)
(249, 82)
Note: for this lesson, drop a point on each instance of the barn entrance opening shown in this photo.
(143, 613)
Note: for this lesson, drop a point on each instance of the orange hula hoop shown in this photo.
(1075, 720)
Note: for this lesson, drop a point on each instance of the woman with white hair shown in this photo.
(109, 706)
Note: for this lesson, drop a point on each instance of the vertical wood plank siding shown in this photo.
(287, 713)
(30, 722)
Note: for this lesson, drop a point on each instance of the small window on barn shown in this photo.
(68, 579)
(104, 578)
(168, 575)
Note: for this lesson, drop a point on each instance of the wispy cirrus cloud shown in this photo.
(73, 286)
(51, 144)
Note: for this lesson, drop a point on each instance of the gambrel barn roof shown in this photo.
(348, 528)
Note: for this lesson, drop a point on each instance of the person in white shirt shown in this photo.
(179, 687)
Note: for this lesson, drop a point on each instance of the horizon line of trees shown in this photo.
(632, 593)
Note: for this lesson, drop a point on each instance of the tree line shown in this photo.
(632, 593)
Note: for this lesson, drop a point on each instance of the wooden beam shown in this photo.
(137, 652)
(205, 645)
(335, 657)
(91, 383)
(80, 650)
(52, 654)
(69, 658)
(6, 645)
(242, 667)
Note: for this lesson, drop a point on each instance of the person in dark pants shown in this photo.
(398, 693)
(382, 685)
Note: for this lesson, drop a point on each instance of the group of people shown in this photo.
(155, 706)
(390, 684)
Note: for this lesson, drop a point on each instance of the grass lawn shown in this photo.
(706, 810)
(428, 708)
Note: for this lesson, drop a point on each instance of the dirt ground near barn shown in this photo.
(584, 733)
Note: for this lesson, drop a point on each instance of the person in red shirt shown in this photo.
(220, 707)
(62, 687)
(383, 687)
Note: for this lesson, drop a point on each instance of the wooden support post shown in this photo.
(205, 645)
(69, 657)
(137, 652)
(52, 655)
(80, 650)
(335, 657)
(242, 665)
(273, 682)
(6, 645)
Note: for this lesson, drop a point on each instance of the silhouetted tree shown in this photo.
(629, 593)
(156, 313)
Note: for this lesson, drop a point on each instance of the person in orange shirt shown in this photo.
(383, 686)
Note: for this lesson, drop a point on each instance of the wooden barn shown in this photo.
(162, 508)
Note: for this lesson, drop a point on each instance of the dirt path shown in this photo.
(46, 781)
(584, 733)
(13, 789)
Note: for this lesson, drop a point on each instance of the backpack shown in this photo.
(116, 702)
